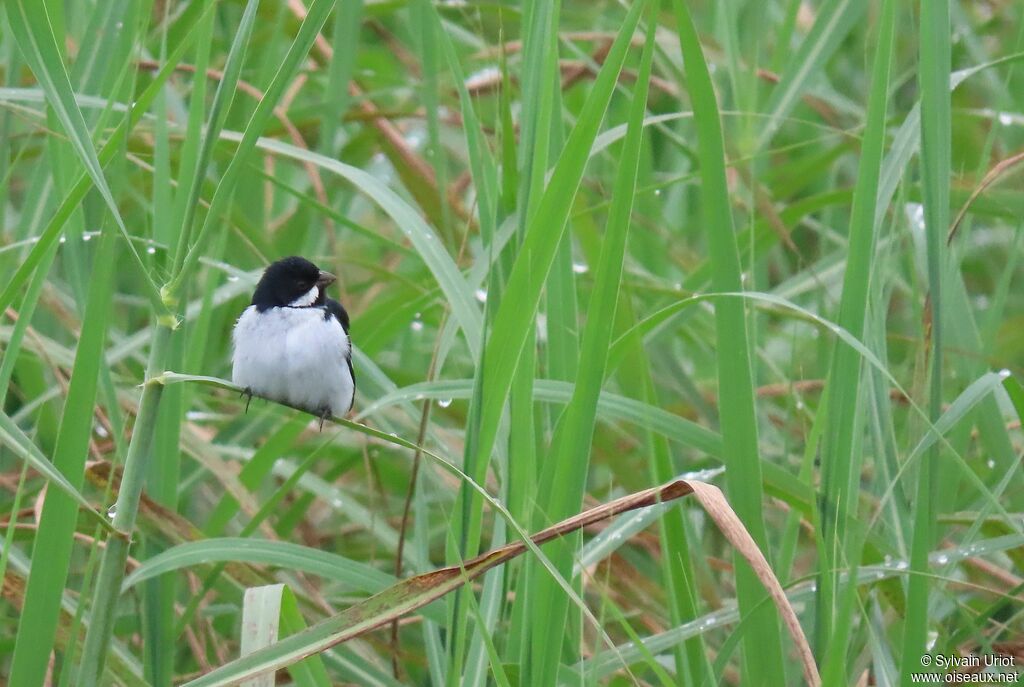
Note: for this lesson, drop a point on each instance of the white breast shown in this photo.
(294, 355)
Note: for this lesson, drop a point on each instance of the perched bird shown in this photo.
(291, 345)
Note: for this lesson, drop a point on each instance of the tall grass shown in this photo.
(587, 248)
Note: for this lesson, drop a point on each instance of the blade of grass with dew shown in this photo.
(841, 463)
(484, 174)
(297, 51)
(934, 79)
(52, 548)
(512, 323)
(186, 203)
(183, 36)
(526, 162)
(163, 483)
(564, 476)
(32, 30)
(763, 655)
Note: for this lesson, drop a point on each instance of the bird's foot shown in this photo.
(247, 392)
(323, 413)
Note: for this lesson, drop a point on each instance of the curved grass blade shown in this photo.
(359, 576)
(414, 593)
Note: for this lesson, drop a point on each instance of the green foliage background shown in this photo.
(587, 247)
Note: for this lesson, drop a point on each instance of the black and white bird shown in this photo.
(292, 345)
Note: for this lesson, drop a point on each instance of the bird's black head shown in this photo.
(291, 281)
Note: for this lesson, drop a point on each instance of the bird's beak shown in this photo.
(325, 279)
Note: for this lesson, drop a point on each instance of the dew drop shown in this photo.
(63, 239)
(232, 278)
(1005, 119)
(657, 191)
(336, 502)
(87, 237)
(580, 268)
(151, 250)
(991, 464)
(417, 325)
(942, 559)
(480, 295)
(112, 511)
(102, 432)
(444, 402)
(1004, 373)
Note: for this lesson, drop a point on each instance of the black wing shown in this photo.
(335, 308)
(352, 373)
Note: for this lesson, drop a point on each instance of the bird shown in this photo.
(291, 344)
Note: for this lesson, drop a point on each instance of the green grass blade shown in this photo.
(31, 27)
(51, 553)
(330, 566)
(513, 321)
(936, 133)
(22, 446)
(226, 89)
(841, 463)
(46, 240)
(763, 655)
(564, 476)
(297, 52)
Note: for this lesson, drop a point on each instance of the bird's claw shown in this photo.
(247, 392)
(323, 414)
